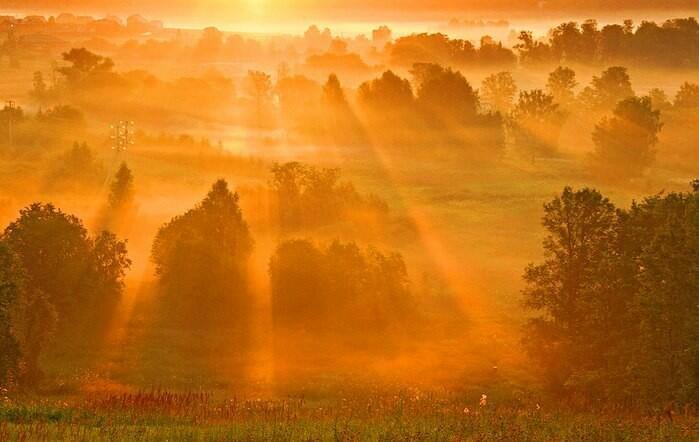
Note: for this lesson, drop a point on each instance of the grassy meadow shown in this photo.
(372, 416)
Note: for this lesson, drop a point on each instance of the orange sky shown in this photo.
(335, 9)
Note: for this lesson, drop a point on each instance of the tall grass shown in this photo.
(407, 415)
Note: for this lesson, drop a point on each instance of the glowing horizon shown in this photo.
(270, 13)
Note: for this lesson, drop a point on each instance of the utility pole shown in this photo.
(122, 135)
(10, 107)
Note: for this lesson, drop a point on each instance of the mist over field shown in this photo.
(349, 221)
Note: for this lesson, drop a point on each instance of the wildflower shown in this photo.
(484, 400)
(538, 407)
(467, 411)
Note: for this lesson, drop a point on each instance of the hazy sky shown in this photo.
(233, 7)
(219, 11)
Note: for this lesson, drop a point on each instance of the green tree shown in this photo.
(386, 93)
(616, 298)
(614, 43)
(536, 123)
(67, 273)
(531, 51)
(120, 201)
(498, 92)
(572, 291)
(665, 247)
(566, 41)
(659, 100)
(76, 167)
(299, 102)
(327, 290)
(83, 64)
(445, 93)
(341, 123)
(121, 191)
(258, 86)
(611, 87)
(388, 104)
(309, 197)
(624, 143)
(561, 85)
(210, 44)
(298, 285)
(40, 90)
(201, 260)
(687, 96)
(11, 288)
(492, 53)
(333, 95)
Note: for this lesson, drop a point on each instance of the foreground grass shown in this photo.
(406, 416)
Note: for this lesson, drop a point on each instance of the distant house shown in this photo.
(7, 19)
(84, 19)
(34, 20)
(71, 19)
(66, 19)
(72, 23)
(105, 26)
(137, 24)
(115, 19)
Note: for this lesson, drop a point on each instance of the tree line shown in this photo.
(671, 43)
(615, 313)
(435, 105)
(60, 283)
(441, 106)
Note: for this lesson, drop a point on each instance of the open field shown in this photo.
(378, 416)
